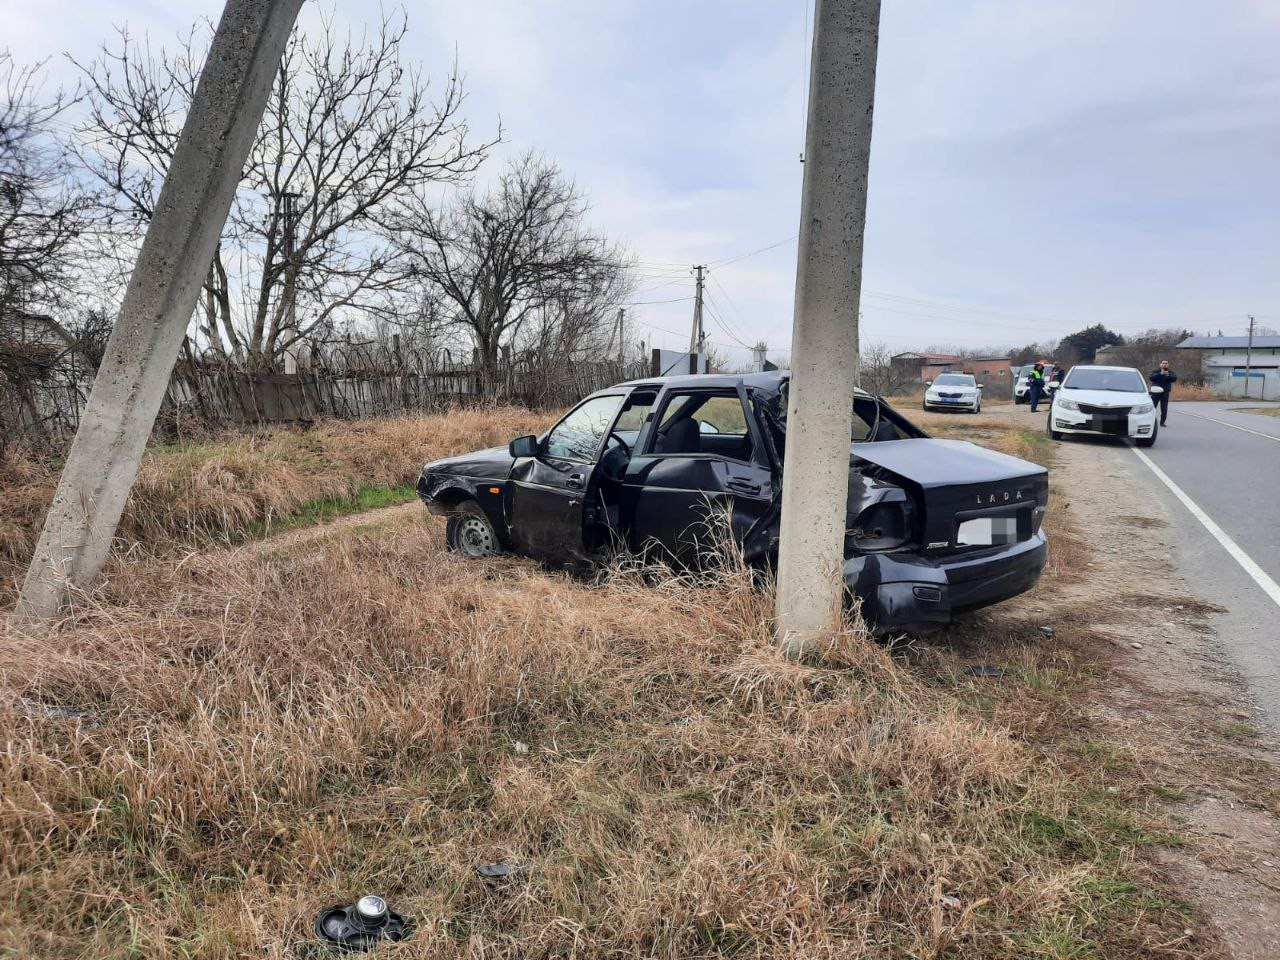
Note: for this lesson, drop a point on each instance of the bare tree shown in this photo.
(517, 266)
(347, 130)
(42, 208)
(878, 374)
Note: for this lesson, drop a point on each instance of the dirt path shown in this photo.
(1171, 696)
(381, 515)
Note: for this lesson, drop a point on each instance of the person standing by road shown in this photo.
(1165, 379)
(1035, 384)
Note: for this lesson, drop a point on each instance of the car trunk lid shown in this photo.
(954, 482)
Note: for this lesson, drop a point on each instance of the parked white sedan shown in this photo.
(1104, 401)
(953, 391)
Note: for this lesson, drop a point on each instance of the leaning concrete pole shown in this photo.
(158, 303)
(824, 339)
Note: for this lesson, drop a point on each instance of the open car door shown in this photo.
(549, 492)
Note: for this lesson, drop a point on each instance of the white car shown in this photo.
(953, 391)
(1104, 401)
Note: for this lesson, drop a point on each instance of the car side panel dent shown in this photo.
(442, 492)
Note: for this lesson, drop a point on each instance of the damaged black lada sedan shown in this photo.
(935, 527)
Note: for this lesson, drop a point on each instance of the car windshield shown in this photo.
(1095, 378)
(954, 380)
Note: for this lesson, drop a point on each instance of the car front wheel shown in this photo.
(1048, 426)
(1151, 440)
(470, 533)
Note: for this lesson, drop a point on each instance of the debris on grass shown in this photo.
(984, 670)
(497, 872)
(361, 926)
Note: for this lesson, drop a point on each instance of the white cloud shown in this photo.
(1040, 165)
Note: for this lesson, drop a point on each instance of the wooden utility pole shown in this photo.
(824, 340)
(158, 303)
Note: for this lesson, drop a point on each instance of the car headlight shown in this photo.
(1066, 404)
(1143, 408)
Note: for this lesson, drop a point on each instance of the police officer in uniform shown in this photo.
(1035, 384)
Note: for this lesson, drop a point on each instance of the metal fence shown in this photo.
(43, 390)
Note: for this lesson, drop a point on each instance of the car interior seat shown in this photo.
(885, 431)
(680, 436)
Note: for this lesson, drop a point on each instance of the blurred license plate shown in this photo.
(987, 532)
(950, 399)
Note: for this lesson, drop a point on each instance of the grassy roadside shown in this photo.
(235, 487)
(329, 508)
(244, 740)
(1265, 411)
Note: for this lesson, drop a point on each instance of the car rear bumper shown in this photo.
(904, 592)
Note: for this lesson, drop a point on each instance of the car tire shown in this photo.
(1151, 440)
(470, 533)
(1048, 428)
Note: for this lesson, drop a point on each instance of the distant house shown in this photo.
(926, 366)
(38, 329)
(1224, 360)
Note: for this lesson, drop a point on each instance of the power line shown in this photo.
(639, 303)
(752, 253)
(729, 300)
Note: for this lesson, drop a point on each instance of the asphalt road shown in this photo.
(1226, 462)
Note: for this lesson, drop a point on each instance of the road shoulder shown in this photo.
(1171, 694)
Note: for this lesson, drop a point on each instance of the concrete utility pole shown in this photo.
(158, 303)
(824, 339)
(1248, 360)
(622, 346)
(697, 339)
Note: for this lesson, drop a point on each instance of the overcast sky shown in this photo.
(1036, 166)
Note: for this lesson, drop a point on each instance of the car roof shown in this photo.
(1098, 366)
(770, 381)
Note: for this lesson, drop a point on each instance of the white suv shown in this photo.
(953, 391)
(1104, 401)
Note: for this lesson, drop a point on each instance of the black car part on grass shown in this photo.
(361, 926)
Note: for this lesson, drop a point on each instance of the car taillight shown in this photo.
(882, 526)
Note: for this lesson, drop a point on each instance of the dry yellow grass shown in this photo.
(216, 489)
(206, 754)
(262, 736)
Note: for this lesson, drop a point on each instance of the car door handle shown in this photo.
(574, 480)
(742, 486)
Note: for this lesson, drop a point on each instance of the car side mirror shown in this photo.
(928, 383)
(1156, 390)
(523, 446)
(979, 386)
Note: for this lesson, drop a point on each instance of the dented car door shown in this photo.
(701, 471)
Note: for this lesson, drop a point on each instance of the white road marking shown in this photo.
(1269, 586)
(1256, 433)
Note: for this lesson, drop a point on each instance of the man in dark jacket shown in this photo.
(1165, 379)
(1035, 384)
